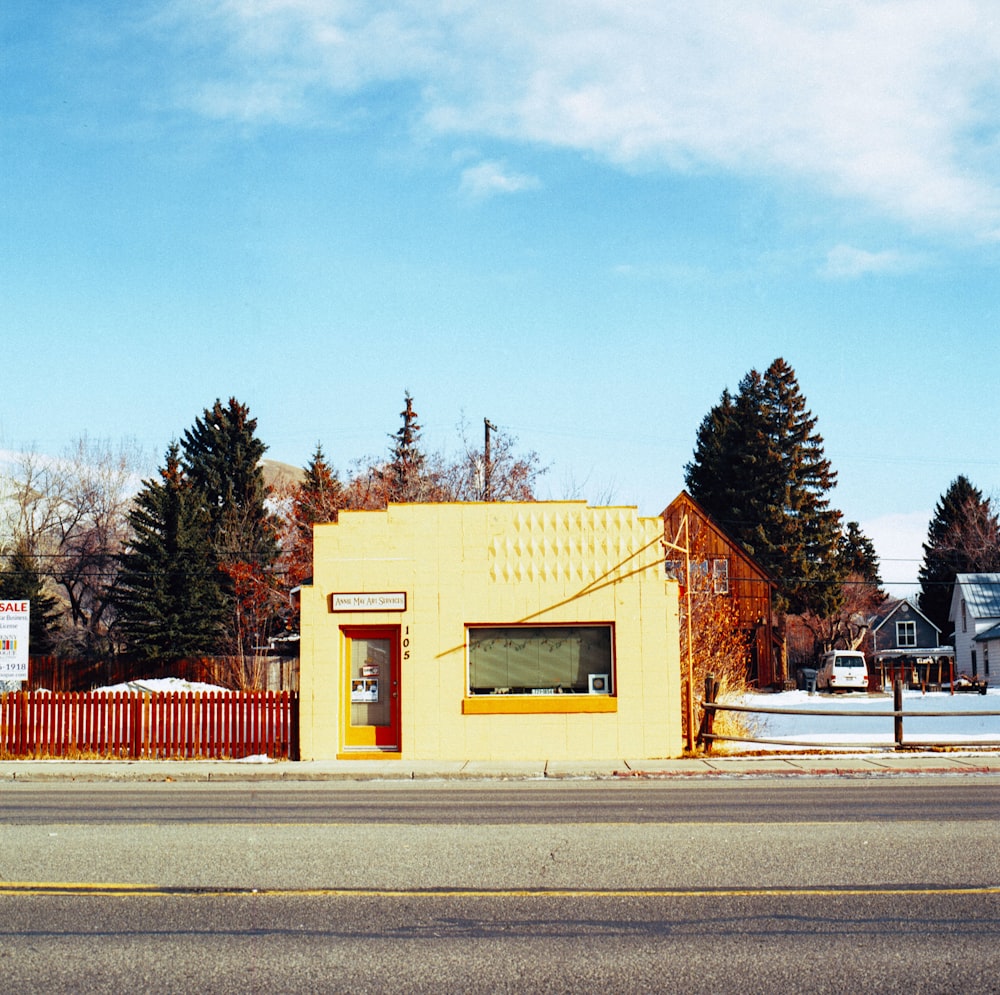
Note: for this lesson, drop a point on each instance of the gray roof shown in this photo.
(891, 607)
(981, 593)
(992, 633)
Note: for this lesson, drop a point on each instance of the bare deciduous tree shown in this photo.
(410, 475)
(849, 626)
(503, 475)
(974, 537)
(70, 514)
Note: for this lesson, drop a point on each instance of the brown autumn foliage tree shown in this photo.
(253, 618)
(317, 498)
(718, 644)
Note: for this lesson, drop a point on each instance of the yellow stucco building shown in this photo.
(500, 631)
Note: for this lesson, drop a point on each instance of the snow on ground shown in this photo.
(814, 727)
(164, 685)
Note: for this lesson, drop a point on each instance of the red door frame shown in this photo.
(356, 741)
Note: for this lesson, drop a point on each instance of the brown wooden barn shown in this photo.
(733, 574)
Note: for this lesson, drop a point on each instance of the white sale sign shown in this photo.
(14, 624)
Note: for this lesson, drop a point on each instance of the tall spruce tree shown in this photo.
(962, 537)
(404, 476)
(760, 471)
(408, 476)
(20, 578)
(170, 600)
(857, 558)
(221, 456)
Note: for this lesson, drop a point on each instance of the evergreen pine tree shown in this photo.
(318, 498)
(759, 470)
(170, 601)
(221, 456)
(963, 537)
(20, 578)
(404, 476)
(712, 476)
(856, 556)
(811, 529)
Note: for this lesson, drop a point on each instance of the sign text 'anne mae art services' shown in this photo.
(14, 623)
(375, 601)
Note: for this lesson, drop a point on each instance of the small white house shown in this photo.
(975, 610)
(989, 647)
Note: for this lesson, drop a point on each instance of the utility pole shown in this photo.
(686, 550)
(487, 461)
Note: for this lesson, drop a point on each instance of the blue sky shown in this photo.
(581, 220)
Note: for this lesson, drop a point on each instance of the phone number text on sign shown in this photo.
(15, 619)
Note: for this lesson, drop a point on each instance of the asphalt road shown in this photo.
(504, 803)
(823, 885)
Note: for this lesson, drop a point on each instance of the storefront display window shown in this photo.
(541, 660)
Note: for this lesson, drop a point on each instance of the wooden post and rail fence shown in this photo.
(711, 707)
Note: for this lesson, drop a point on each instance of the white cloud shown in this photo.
(847, 262)
(890, 102)
(489, 178)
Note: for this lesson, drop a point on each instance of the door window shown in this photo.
(371, 676)
(371, 689)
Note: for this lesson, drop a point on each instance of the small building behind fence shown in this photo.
(905, 644)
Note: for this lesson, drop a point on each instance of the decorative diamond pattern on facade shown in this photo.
(581, 545)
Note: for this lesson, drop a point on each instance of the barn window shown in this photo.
(720, 576)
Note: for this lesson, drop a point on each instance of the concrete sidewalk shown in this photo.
(701, 768)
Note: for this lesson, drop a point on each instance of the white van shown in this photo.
(842, 670)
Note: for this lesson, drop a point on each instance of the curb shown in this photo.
(694, 769)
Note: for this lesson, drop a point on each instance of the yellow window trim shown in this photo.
(523, 704)
(371, 755)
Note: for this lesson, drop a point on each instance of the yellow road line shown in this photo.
(146, 890)
(74, 888)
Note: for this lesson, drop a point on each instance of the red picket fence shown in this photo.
(175, 726)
